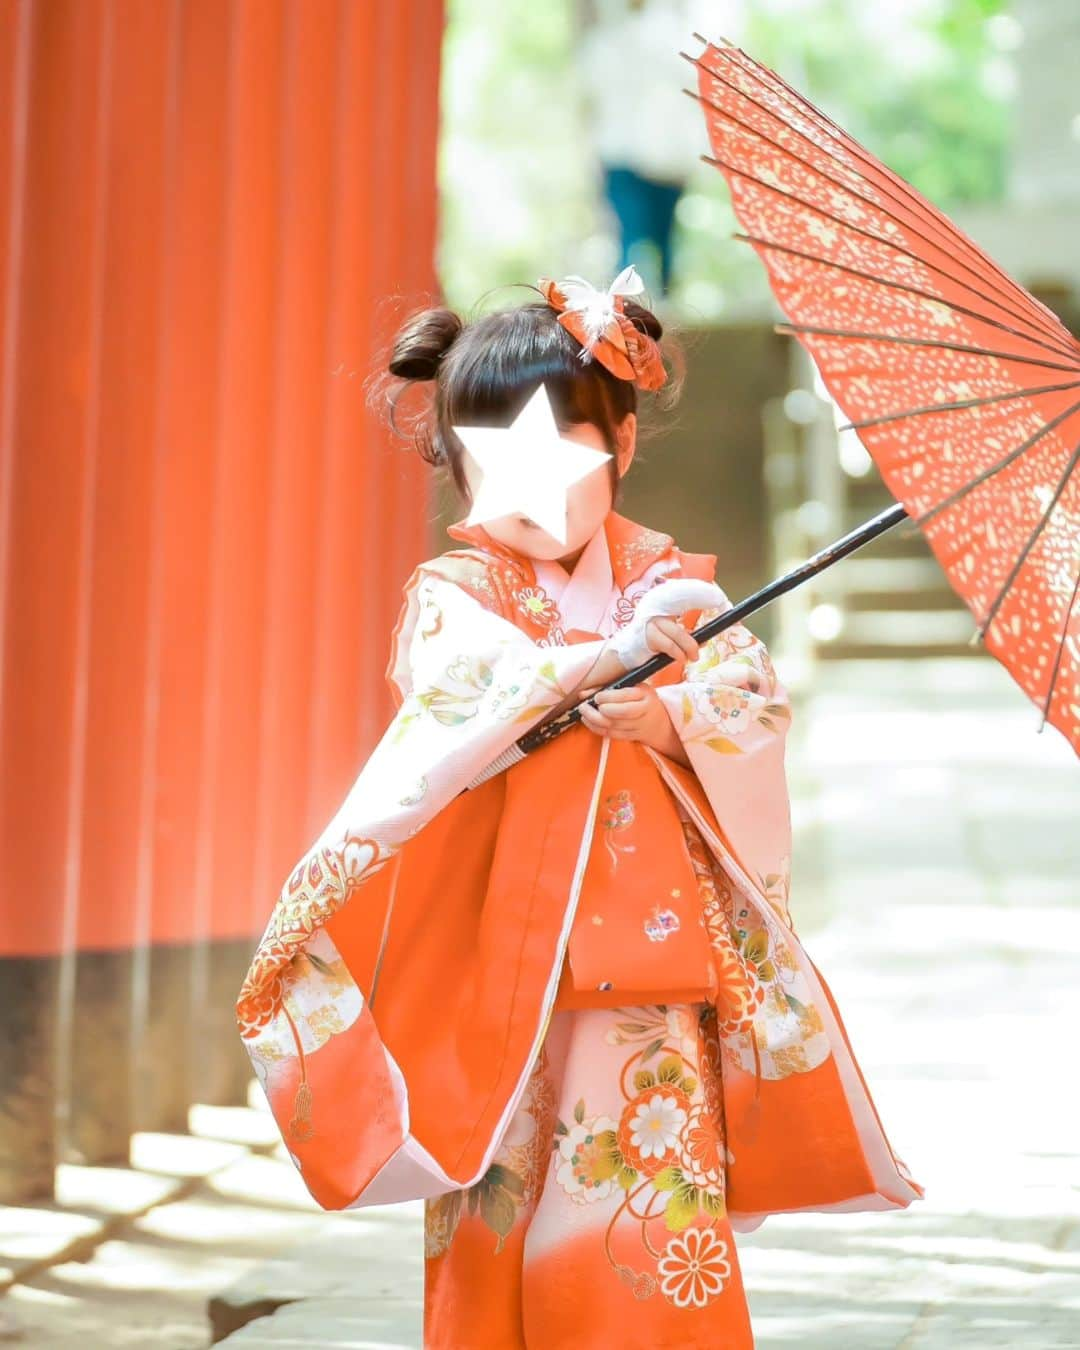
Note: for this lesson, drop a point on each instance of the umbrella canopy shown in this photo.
(963, 387)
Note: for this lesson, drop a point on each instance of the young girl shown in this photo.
(569, 1008)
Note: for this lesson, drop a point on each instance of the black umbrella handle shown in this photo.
(862, 534)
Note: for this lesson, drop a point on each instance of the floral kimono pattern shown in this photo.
(587, 1139)
(602, 1219)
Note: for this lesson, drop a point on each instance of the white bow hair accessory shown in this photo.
(597, 308)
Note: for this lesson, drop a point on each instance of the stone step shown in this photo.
(899, 600)
(862, 583)
(902, 541)
(358, 1323)
(912, 632)
(865, 572)
(369, 1258)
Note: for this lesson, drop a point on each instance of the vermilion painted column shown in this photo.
(112, 919)
(349, 521)
(53, 83)
(194, 278)
(238, 613)
(206, 535)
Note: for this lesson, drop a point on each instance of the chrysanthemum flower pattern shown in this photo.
(655, 1125)
(650, 1126)
(701, 1151)
(694, 1268)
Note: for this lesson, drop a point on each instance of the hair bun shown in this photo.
(422, 342)
(644, 320)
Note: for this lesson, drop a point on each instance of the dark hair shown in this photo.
(485, 371)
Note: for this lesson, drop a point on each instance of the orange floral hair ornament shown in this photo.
(597, 320)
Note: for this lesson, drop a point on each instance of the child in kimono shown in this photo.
(566, 1005)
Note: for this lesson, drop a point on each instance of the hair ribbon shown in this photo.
(597, 320)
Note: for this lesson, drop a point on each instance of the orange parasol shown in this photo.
(963, 387)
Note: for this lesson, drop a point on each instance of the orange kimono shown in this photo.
(569, 1008)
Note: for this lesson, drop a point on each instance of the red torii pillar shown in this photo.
(203, 534)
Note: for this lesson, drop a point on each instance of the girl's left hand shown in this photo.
(634, 714)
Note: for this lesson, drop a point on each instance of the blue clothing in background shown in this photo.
(646, 213)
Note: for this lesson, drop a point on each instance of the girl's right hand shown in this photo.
(671, 638)
(655, 627)
(663, 635)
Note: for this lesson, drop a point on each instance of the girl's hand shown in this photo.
(641, 637)
(670, 637)
(662, 635)
(635, 714)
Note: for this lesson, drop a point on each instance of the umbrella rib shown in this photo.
(856, 229)
(858, 196)
(1032, 540)
(759, 242)
(1004, 463)
(724, 47)
(895, 187)
(1060, 651)
(906, 196)
(897, 199)
(903, 193)
(958, 405)
(855, 335)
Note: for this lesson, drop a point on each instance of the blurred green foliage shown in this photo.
(926, 102)
(925, 85)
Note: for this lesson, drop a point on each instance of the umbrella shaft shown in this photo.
(840, 548)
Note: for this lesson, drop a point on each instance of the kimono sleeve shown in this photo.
(471, 684)
(732, 714)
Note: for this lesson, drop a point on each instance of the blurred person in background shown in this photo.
(646, 133)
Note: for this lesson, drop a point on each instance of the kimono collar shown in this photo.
(582, 596)
(632, 547)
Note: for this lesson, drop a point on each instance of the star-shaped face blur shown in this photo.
(527, 468)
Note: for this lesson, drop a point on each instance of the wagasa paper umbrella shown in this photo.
(963, 387)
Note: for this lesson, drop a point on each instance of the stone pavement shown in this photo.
(129, 1257)
(937, 886)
